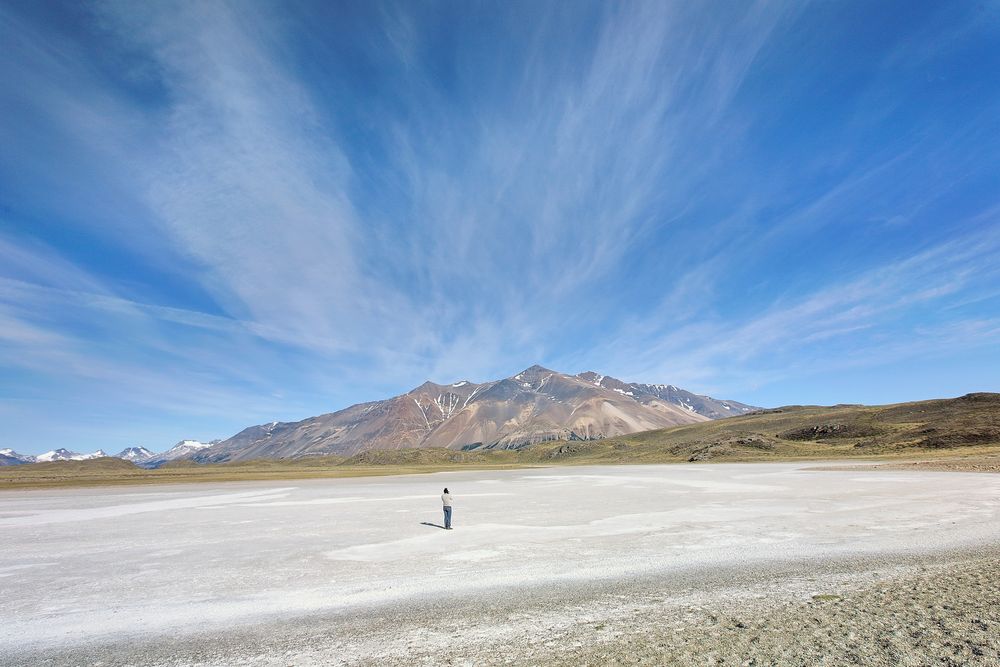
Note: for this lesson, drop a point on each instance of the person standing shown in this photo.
(446, 501)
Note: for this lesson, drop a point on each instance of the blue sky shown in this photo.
(220, 214)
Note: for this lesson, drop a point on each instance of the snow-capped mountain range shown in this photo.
(66, 455)
(10, 457)
(182, 450)
(137, 455)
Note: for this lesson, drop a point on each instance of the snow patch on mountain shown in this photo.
(184, 449)
(135, 454)
(63, 454)
(8, 457)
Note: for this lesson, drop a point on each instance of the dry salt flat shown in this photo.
(541, 561)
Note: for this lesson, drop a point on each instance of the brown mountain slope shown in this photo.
(536, 405)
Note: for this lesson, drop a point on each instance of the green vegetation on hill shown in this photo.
(960, 427)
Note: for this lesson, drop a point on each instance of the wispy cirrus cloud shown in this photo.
(882, 314)
(272, 211)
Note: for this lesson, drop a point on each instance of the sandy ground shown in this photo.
(711, 564)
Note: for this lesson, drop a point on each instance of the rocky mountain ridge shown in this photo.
(535, 405)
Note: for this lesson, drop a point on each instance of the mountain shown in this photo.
(57, 455)
(702, 405)
(137, 455)
(140, 456)
(8, 457)
(182, 450)
(66, 455)
(536, 405)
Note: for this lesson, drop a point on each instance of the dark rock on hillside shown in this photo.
(936, 438)
(825, 431)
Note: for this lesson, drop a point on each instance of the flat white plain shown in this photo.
(85, 564)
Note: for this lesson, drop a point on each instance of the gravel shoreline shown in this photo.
(939, 609)
(942, 614)
(981, 463)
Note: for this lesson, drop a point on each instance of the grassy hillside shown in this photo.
(946, 427)
(949, 428)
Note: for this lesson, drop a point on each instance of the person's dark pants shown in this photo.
(447, 517)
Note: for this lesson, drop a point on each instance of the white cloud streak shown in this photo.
(896, 306)
(497, 230)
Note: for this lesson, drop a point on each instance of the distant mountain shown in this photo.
(184, 449)
(137, 455)
(8, 457)
(66, 455)
(140, 456)
(536, 405)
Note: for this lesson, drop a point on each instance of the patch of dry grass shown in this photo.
(61, 474)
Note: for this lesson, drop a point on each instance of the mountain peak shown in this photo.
(135, 454)
(533, 371)
(429, 386)
(63, 454)
(9, 457)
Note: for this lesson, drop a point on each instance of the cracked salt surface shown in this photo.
(103, 563)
